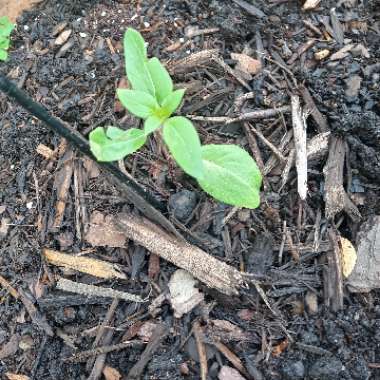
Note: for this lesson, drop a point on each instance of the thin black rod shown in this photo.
(77, 140)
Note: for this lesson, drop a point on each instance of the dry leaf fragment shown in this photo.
(183, 294)
(95, 267)
(45, 151)
(348, 255)
(280, 348)
(111, 373)
(102, 232)
(310, 4)
(15, 376)
(63, 37)
(247, 64)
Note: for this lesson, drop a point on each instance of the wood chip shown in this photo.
(247, 64)
(95, 291)
(111, 373)
(342, 53)
(321, 54)
(15, 376)
(10, 348)
(365, 275)
(63, 37)
(310, 4)
(94, 267)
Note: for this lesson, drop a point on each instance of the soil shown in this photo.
(301, 336)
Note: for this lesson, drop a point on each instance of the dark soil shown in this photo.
(297, 339)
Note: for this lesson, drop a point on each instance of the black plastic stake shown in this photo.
(136, 194)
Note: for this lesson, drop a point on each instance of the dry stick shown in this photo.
(321, 121)
(201, 265)
(198, 334)
(159, 334)
(336, 198)
(268, 144)
(136, 194)
(253, 115)
(84, 355)
(107, 319)
(272, 160)
(335, 273)
(100, 361)
(10, 289)
(255, 151)
(233, 358)
(299, 130)
(95, 291)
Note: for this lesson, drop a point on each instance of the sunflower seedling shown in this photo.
(226, 172)
(6, 28)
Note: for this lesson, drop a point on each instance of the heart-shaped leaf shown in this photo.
(231, 175)
(183, 142)
(116, 143)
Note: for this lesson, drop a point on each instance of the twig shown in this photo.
(299, 130)
(84, 355)
(100, 361)
(204, 267)
(159, 334)
(95, 291)
(198, 334)
(231, 356)
(279, 155)
(10, 289)
(253, 115)
(102, 329)
(314, 111)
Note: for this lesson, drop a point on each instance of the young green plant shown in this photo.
(226, 172)
(6, 28)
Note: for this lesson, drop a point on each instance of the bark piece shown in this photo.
(365, 275)
(202, 266)
(335, 196)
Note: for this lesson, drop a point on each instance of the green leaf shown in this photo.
(139, 103)
(6, 26)
(161, 79)
(183, 142)
(136, 62)
(152, 123)
(115, 144)
(172, 101)
(4, 43)
(231, 175)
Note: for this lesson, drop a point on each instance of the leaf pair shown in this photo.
(6, 28)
